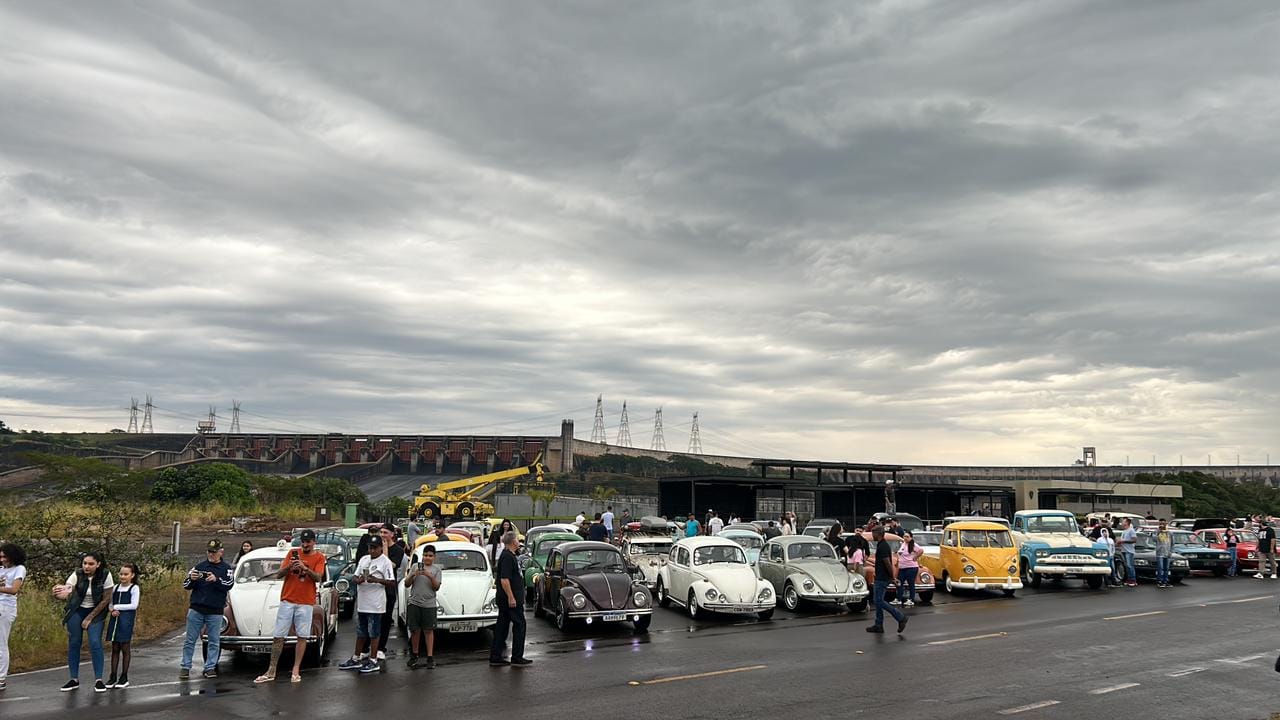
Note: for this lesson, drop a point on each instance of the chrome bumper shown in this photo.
(1071, 570)
(987, 583)
(597, 614)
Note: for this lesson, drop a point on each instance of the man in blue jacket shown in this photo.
(209, 581)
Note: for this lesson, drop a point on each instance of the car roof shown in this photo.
(454, 545)
(648, 539)
(705, 540)
(585, 545)
(977, 525)
(734, 531)
(268, 553)
(556, 535)
(1046, 513)
(793, 539)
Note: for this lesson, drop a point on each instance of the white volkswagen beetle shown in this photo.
(466, 596)
(712, 574)
(255, 598)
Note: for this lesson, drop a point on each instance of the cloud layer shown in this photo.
(920, 232)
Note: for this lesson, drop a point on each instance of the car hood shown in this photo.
(607, 590)
(829, 575)
(737, 582)
(1056, 540)
(1198, 549)
(464, 592)
(254, 605)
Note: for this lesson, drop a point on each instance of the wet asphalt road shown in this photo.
(1202, 650)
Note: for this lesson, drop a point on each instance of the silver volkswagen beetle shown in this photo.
(806, 569)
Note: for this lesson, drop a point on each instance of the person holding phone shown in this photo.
(423, 581)
(209, 582)
(302, 569)
(374, 576)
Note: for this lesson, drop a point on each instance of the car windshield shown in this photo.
(593, 561)
(1242, 536)
(461, 560)
(893, 546)
(928, 539)
(1052, 524)
(650, 548)
(750, 542)
(544, 548)
(331, 550)
(985, 538)
(806, 550)
(1186, 538)
(719, 554)
(815, 531)
(260, 569)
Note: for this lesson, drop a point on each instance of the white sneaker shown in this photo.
(382, 655)
(1273, 576)
(1258, 575)
(908, 603)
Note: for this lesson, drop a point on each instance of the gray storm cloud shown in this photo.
(915, 232)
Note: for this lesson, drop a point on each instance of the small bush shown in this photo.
(229, 493)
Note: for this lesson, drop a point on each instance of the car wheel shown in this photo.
(859, 606)
(1219, 572)
(538, 610)
(1177, 579)
(946, 581)
(1009, 593)
(765, 614)
(694, 611)
(1094, 582)
(642, 625)
(790, 598)
(315, 651)
(1029, 578)
(562, 617)
(348, 611)
(664, 600)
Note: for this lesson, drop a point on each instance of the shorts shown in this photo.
(368, 625)
(296, 616)
(421, 618)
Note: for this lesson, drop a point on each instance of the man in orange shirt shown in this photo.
(302, 569)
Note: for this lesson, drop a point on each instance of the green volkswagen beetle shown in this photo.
(535, 559)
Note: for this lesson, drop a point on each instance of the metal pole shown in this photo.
(177, 536)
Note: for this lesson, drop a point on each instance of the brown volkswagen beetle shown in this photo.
(591, 582)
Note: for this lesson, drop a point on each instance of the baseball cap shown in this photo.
(307, 534)
(215, 545)
(375, 540)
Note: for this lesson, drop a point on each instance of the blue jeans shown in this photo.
(1130, 572)
(907, 584)
(882, 604)
(1162, 569)
(1235, 561)
(195, 623)
(75, 640)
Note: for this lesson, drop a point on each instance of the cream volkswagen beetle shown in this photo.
(466, 595)
(255, 598)
(805, 569)
(711, 574)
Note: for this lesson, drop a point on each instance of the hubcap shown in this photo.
(790, 598)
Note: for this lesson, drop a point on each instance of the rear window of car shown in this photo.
(255, 570)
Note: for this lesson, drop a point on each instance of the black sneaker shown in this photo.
(123, 682)
(431, 663)
(370, 666)
(71, 685)
(184, 673)
(211, 674)
(522, 662)
(875, 629)
(111, 682)
(499, 662)
(99, 686)
(413, 661)
(902, 624)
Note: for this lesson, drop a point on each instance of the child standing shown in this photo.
(124, 609)
(423, 581)
(374, 574)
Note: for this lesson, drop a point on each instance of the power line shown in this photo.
(235, 417)
(597, 428)
(695, 437)
(146, 418)
(624, 428)
(658, 442)
(133, 416)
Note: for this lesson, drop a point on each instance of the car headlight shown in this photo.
(579, 601)
(342, 586)
(641, 598)
(765, 595)
(970, 570)
(1100, 553)
(490, 605)
(807, 584)
(1042, 553)
(1252, 555)
(855, 580)
(711, 594)
(1142, 563)
(1180, 563)
(1013, 569)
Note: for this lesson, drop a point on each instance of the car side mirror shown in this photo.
(327, 584)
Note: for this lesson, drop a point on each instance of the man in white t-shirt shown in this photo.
(715, 524)
(374, 574)
(607, 519)
(578, 520)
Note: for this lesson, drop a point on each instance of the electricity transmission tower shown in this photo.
(235, 417)
(695, 437)
(133, 416)
(146, 417)
(624, 428)
(659, 443)
(597, 430)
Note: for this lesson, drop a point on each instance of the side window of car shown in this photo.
(684, 556)
(1017, 523)
(950, 538)
(553, 562)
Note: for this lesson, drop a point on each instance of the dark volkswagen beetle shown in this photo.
(590, 582)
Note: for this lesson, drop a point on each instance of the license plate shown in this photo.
(463, 627)
(614, 617)
(257, 649)
(740, 610)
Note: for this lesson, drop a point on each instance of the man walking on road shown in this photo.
(1128, 546)
(886, 576)
(1164, 554)
(510, 608)
(209, 583)
(1266, 551)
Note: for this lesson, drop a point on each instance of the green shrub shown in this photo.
(229, 493)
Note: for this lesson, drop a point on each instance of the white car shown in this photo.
(466, 597)
(711, 574)
(647, 553)
(255, 598)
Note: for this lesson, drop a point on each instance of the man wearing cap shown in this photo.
(302, 569)
(209, 581)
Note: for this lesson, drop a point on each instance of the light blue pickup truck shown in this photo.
(1051, 546)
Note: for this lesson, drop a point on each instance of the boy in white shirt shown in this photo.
(374, 574)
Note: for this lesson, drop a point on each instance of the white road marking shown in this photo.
(1113, 688)
(966, 639)
(1242, 660)
(1188, 671)
(1234, 602)
(1135, 615)
(698, 676)
(15, 699)
(1032, 706)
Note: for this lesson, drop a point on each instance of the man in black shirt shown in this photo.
(1266, 551)
(886, 575)
(396, 554)
(510, 607)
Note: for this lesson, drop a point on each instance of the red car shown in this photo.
(1246, 545)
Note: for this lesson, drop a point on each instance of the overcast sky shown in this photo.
(922, 232)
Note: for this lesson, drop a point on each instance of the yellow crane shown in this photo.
(464, 499)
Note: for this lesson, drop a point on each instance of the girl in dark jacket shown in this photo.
(87, 593)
